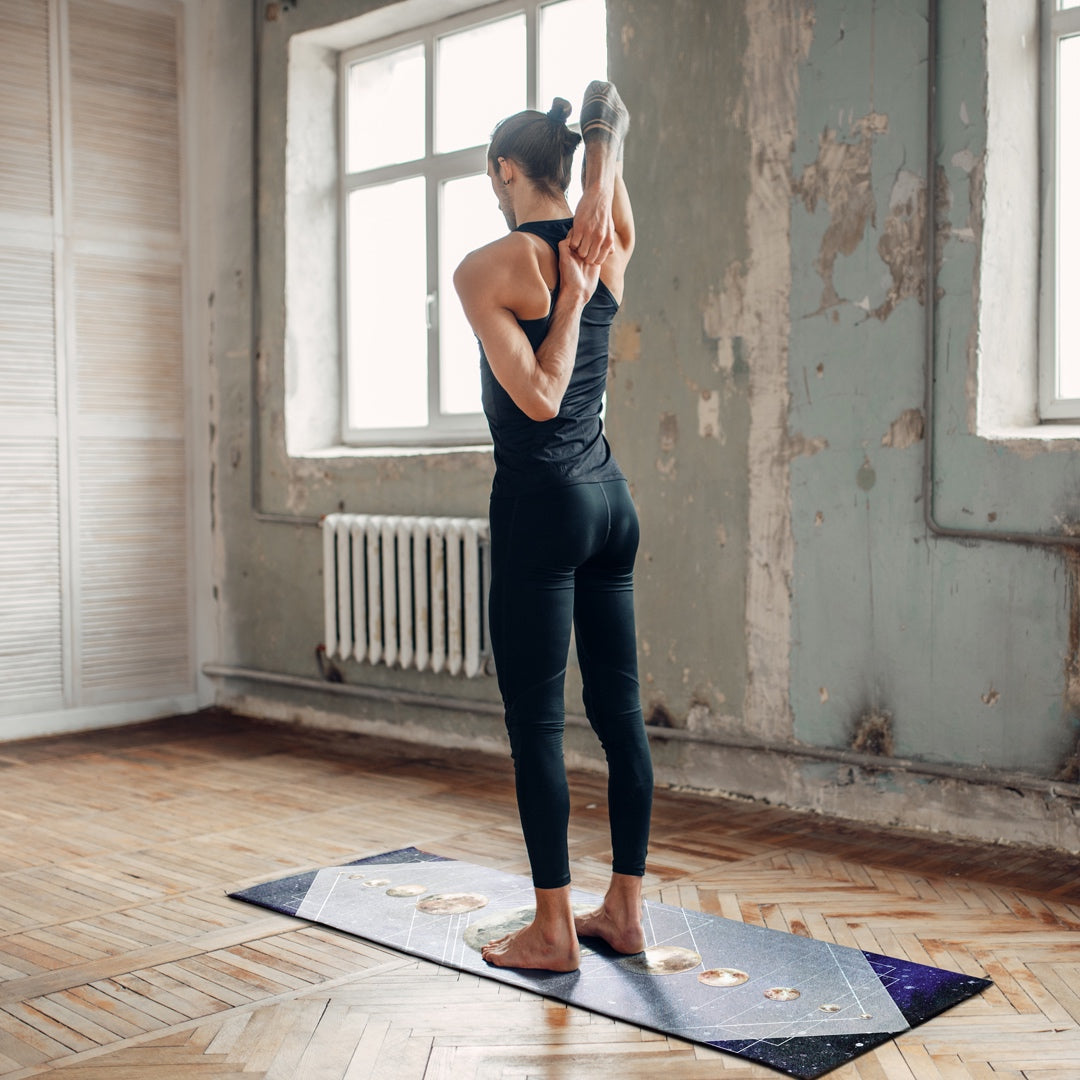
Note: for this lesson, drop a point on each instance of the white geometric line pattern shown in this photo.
(824, 974)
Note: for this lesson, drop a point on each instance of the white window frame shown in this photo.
(1055, 24)
(436, 168)
(442, 429)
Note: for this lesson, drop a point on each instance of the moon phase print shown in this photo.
(799, 1005)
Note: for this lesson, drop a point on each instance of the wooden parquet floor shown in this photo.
(122, 958)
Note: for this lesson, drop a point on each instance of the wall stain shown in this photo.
(800, 446)
(902, 245)
(708, 410)
(722, 317)
(906, 430)
(1069, 770)
(625, 345)
(873, 734)
(660, 716)
(669, 432)
(1072, 657)
(841, 178)
(866, 478)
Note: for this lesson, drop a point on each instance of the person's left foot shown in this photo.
(531, 948)
(624, 936)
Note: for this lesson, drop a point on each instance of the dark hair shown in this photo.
(540, 143)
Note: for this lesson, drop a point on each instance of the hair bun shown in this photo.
(560, 110)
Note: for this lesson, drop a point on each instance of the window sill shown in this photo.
(339, 452)
(1056, 434)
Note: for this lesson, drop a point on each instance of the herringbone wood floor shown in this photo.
(122, 957)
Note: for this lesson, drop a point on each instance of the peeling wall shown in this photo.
(678, 411)
(766, 401)
(959, 643)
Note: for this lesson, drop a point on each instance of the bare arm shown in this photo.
(605, 121)
(490, 283)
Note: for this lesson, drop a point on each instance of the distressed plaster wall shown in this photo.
(678, 396)
(960, 643)
(804, 636)
(945, 649)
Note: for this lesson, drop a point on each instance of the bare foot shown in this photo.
(530, 948)
(623, 935)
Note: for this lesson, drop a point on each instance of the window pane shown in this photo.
(1068, 222)
(387, 297)
(386, 109)
(573, 50)
(479, 79)
(469, 217)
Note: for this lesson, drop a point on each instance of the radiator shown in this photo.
(407, 591)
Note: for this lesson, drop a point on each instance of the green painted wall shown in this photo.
(767, 404)
(961, 643)
(678, 410)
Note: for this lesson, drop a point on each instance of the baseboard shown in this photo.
(35, 725)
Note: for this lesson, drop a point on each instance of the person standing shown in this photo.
(564, 531)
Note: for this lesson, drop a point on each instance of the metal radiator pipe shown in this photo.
(964, 774)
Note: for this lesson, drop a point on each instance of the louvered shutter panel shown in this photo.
(25, 139)
(94, 530)
(129, 477)
(31, 620)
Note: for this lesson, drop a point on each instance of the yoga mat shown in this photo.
(801, 1006)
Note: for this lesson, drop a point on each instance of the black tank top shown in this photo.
(570, 448)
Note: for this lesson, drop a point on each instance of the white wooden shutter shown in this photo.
(31, 622)
(129, 464)
(95, 601)
(25, 98)
(125, 120)
(31, 660)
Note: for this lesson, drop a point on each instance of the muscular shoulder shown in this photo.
(505, 273)
(508, 256)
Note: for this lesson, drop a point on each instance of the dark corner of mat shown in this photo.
(401, 855)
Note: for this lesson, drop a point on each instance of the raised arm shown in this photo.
(605, 121)
(490, 283)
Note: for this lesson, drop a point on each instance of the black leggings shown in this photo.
(566, 557)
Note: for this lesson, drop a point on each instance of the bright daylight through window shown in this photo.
(1059, 381)
(417, 112)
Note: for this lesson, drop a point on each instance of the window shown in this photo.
(417, 111)
(1059, 344)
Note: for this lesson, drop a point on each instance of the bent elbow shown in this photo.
(542, 411)
(540, 406)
